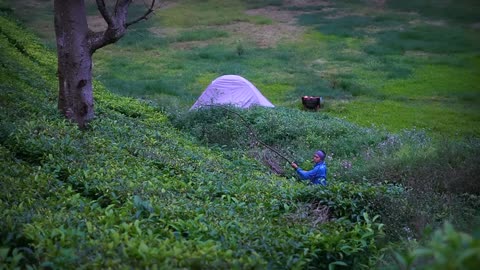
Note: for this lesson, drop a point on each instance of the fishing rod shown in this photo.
(252, 132)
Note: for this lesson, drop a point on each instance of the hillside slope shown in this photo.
(391, 64)
(132, 191)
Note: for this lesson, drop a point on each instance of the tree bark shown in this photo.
(76, 44)
(74, 61)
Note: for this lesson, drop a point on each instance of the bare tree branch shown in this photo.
(144, 17)
(104, 11)
(121, 6)
(117, 25)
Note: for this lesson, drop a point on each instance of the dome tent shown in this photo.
(231, 90)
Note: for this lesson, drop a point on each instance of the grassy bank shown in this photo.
(393, 65)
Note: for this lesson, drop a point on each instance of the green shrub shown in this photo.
(288, 129)
(434, 173)
(447, 248)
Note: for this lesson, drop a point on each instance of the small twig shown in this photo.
(144, 17)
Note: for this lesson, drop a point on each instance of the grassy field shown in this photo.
(397, 65)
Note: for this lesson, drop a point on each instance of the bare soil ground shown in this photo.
(283, 28)
(265, 36)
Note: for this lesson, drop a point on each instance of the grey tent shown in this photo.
(231, 90)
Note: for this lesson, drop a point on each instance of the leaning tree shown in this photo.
(76, 44)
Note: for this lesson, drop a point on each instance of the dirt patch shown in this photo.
(306, 3)
(283, 28)
(188, 45)
(31, 4)
(436, 23)
(419, 54)
(427, 22)
(379, 29)
(264, 36)
(164, 31)
(276, 14)
(96, 23)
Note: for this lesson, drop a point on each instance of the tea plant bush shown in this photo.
(446, 248)
(141, 189)
(434, 173)
(133, 191)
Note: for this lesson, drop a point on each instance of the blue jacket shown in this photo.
(317, 176)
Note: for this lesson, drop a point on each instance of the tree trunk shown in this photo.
(75, 47)
(74, 61)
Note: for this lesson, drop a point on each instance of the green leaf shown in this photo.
(4, 253)
(400, 259)
(420, 252)
(332, 265)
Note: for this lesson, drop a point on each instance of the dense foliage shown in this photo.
(132, 191)
(439, 176)
(145, 188)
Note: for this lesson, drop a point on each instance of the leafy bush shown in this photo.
(288, 129)
(434, 173)
(447, 248)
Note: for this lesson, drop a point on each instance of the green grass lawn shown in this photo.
(397, 66)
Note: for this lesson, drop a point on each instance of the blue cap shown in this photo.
(321, 154)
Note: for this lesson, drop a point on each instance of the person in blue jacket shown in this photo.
(318, 175)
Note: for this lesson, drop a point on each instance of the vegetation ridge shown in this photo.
(147, 188)
(132, 191)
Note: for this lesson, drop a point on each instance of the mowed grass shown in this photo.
(398, 66)
(191, 13)
(406, 71)
(452, 120)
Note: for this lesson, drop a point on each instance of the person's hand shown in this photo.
(294, 165)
